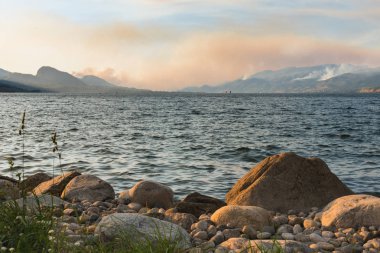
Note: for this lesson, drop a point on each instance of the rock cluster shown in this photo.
(86, 208)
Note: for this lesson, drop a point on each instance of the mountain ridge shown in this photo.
(327, 78)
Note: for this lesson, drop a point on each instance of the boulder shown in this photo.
(88, 187)
(36, 202)
(287, 181)
(239, 216)
(56, 185)
(8, 190)
(352, 211)
(198, 204)
(140, 228)
(150, 194)
(33, 181)
(184, 220)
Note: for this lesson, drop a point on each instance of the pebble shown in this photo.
(218, 238)
(249, 231)
(325, 246)
(231, 233)
(297, 229)
(308, 223)
(202, 225)
(285, 229)
(263, 235)
(316, 238)
(327, 234)
(211, 230)
(280, 220)
(201, 235)
(287, 236)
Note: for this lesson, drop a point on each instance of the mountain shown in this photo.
(49, 79)
(96, 81)
(329, 78)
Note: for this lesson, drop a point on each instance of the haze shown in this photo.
(167, 45)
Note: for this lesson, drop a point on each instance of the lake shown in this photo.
(191, 142)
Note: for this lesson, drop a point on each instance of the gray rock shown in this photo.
(211, 230)
(141, 228)
(325, 246)
(284, 229)
(297, 229)
(135, 206)
(202, 225)
(218, 238)
(263, 235)
(201, 235)
(280, 220)
(316, 238)
(88, 187)
(287, 236)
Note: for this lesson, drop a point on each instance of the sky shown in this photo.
(171, 44)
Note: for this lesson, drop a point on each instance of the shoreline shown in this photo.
(85, 205)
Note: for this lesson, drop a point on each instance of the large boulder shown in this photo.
(141, 228)
(56, 185)
(197, 204)
(352, 212)
(8, 190)
(150, 194)
(239, 216)
(33, 181)
(287, 181)
(88, 187)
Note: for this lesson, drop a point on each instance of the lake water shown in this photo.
(191, 142)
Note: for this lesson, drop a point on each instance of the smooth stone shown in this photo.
(202, 225)
(297, 229)
(287, 181)
(327, 234)
(211, 230)
(141, 227)
(239, 216)
(309, 223)
(151, 194)
(201, 235)
(352, 211)
(280, 220)
(218, 238)
(263, 235)
(88, 187)
(316, 238)
(287, 236)
(284, 229)
(325, 246)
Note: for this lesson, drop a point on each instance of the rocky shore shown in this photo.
(285, 202)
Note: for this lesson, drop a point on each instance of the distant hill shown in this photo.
(329, 78)
(8, 86)
(49, 79)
